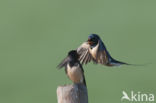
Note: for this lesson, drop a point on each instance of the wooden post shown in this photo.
(76, 93)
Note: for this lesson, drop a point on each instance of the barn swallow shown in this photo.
(95, 50)
(73, 68)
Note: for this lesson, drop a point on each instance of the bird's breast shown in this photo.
(75, 74)
(94, 51)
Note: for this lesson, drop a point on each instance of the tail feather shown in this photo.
(118, 63)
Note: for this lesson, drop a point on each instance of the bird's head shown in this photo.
(73, 54)
(93, 39)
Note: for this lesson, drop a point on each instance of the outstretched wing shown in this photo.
(64, 62)
(103, 56)
(84, 54)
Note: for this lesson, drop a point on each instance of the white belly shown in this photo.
(94, 51)
(75, 74)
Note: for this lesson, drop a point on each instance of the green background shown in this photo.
(35, 35)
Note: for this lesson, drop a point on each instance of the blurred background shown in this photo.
(35, 35)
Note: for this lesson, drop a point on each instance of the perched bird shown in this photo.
(95, 50)
(73, 68)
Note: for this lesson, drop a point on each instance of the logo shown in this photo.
(137, 97)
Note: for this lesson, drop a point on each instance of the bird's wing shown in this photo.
(64, 62)
(84, 54)
(103, 56)
(84, 81)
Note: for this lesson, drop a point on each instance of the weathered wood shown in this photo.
(76, 93)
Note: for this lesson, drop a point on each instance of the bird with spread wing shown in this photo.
(95, 50)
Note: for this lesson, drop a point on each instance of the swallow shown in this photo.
(73, 68)
(95, 50)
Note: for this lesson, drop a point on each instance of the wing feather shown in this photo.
(102, 55)
(84, 53)
(105, 58)
(64, 62)
(98, 54)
